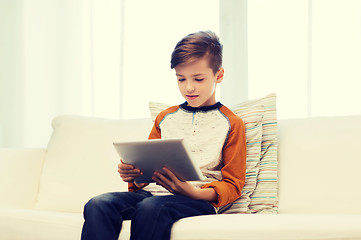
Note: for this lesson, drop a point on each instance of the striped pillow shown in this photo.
(252, 118)
(265, 196)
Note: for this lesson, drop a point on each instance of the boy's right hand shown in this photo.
(128, 172)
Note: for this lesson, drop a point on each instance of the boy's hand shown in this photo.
(128, 172)
(172, 183)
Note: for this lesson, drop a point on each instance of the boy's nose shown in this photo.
(190, 88)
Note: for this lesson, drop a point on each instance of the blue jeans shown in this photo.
(152, 216)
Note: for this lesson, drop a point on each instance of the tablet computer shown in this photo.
(152, 155)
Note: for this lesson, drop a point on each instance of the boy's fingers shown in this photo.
(170, 174)
(127, 174)
(130, 176)
(166, 181)
(131, 172)
(125, 166)
(128, 179)
(135, 172)
(161, 179)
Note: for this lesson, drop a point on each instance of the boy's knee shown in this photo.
(91, 205)
(148, 204)
(151, 205)
(96, 204)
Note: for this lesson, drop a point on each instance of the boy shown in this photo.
(217, 138)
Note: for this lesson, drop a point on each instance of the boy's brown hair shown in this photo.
(196, 46)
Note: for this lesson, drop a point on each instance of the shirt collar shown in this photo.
(200, 109)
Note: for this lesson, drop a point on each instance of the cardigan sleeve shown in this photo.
(234, 164)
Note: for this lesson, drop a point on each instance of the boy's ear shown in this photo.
(220, 75)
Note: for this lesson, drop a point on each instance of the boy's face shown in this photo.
(197, 82)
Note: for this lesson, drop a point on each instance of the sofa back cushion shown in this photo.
(319, 165)
(20, 171)
(81, 161)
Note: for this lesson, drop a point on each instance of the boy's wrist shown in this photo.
(207, 194)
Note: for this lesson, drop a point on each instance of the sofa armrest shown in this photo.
(20, 171)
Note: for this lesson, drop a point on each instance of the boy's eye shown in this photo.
(181, 79)
(199, 79)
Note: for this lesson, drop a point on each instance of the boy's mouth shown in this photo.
(191, 97)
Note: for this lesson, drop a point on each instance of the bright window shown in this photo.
(309, 53)
(336, 57)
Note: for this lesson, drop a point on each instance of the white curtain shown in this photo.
(108, 58)
(57, 57)
(101, 58)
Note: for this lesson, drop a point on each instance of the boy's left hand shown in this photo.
(171, 182)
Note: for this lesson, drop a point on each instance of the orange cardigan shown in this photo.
(233, 150)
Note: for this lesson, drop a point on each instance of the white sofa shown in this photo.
(43, 190)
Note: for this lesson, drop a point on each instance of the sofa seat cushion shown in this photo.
(43, 225)
(29, 224)
(39, 225)
(268, 226)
